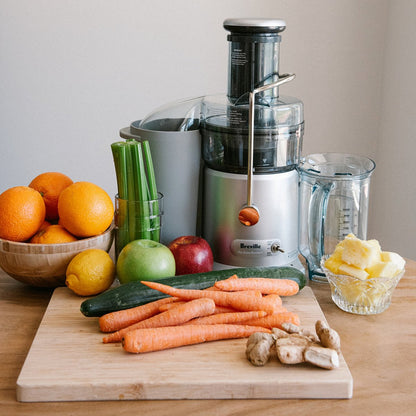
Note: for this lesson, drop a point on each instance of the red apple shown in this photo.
(192, 255)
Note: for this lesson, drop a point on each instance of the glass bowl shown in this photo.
(362, 297)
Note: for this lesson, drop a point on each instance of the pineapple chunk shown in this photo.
(338, 252)
(390, 265)
(335, 260)
(353, 271)
(395, 258)
(382, 269)
(360, 254)
(363, 259)
(333, 264)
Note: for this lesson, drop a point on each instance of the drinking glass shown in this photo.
(137, 220)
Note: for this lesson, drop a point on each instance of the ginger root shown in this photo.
(294, 329)
(296, 345)
(321, 357)
(290, 349)
(259, 347)
(329, 337)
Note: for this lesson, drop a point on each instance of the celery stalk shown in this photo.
(140, 185)
(131, 189)
(119, 156)
(120, 163)
(150, 170)
(153, 195)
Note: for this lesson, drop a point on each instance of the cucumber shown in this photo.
(133, 294)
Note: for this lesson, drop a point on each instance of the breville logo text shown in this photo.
(249, 246)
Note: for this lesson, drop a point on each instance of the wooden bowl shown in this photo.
(44, 265)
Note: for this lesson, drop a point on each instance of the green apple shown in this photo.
(144, 260)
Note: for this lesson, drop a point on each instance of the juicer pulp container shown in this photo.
(176, 158)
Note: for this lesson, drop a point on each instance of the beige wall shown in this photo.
(393, 218)
(73, 73)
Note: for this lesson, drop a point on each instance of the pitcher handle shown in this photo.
(317, 209)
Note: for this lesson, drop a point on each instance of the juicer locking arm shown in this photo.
(249, 208)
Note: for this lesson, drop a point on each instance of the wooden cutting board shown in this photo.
(68, 362)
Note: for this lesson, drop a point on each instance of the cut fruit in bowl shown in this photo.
(361, 296)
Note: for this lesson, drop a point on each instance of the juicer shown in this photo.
(240, 150)
(251, 145)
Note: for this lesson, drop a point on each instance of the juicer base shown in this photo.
(297, 264)
(273, 240)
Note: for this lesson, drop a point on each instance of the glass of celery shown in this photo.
(138, 204)
(137, 220)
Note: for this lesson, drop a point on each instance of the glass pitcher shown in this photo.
(333, 202)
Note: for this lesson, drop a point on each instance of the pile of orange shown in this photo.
(53, 209)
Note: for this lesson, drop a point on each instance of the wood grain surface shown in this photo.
(68, 362)
(379, 350)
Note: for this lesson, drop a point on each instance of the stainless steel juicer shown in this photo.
(250, 142)
(251, 145)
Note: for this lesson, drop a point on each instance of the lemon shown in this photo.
(90, 272)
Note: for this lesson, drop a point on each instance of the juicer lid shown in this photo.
(180, 115)
(254, 25)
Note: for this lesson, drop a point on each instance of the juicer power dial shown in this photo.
(275, 248)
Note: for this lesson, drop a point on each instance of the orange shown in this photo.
(50, 185)
(22, 212)
(85, 209)
(54, 234)
(44, 225)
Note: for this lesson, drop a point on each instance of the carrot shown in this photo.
(224, 309)
(240, 301)
(166, 306)
(175, 316)
(218, 309)
(211, 288)
(275, 320)
(234, 276)
(276, 299)
(282, 287)
(226, 318)
(114, 321)
(155, 339)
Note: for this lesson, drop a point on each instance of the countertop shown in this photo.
(380, 351)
